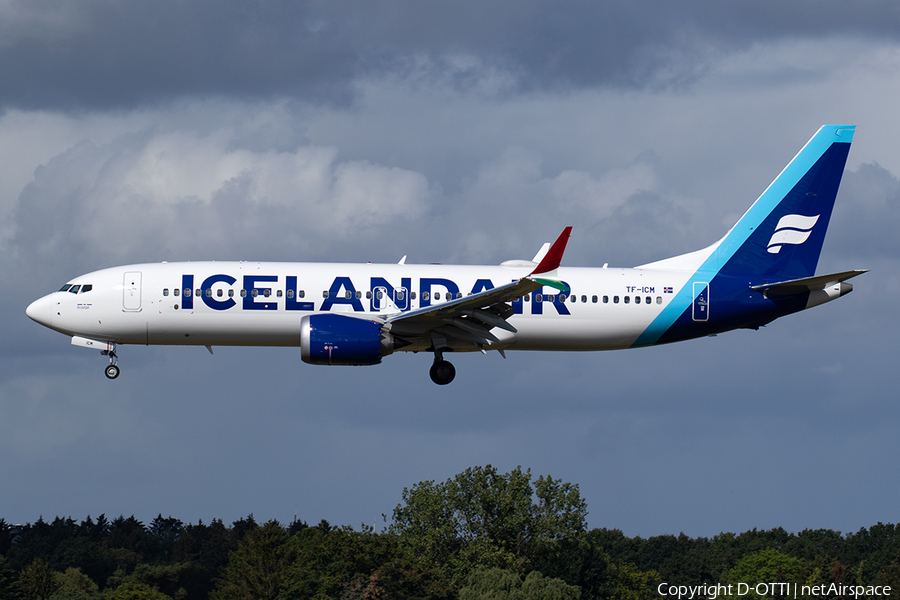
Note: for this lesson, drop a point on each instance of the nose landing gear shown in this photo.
(112, 370)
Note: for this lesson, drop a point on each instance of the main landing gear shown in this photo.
(442, 371)
(112, 370)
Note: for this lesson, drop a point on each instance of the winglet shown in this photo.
(545, 272)
(554, 255)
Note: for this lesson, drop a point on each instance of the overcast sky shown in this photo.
(454, 132)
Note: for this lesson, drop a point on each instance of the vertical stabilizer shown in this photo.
(781, 235)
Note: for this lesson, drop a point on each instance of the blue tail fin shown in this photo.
(781, 235)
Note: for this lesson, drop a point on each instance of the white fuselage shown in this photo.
(262, 304)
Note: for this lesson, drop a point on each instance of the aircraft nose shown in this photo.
(41, 311)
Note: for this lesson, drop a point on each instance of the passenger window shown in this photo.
(209, 292)
(231, 293)
(187, 292)
(220, 292)
(175, 291)
(425, 296)
(527, 296)
(290, 293)
(437, 295)
(659, 299)
(165, 291)
(459, 294)
(358, 295)
(594, 299)
(412, 295)
(637, 299)
(243, 293)
(348, 294)
(380, 295)
(254, 292)
(197, 292)
(615, 299)
(74, 289)
(400, 295)
(605, 299)
(584, 298)
(627, 299)
(278, 293)
(538, 297)
(648, 299)
(325, 294)
(267, 292)
(65, 288)
(368, 295)
(301, 294)
(86, 288)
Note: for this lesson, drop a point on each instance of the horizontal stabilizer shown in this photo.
(806, 284)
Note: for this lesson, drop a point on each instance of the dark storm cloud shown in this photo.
(114, 54)
(119, 54)
(868, 218)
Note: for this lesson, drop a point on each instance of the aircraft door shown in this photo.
(131, 291)
(701, 301)
(401, 298)
(390, 299)
(380, 299)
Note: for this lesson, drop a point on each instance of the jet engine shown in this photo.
(333, 339)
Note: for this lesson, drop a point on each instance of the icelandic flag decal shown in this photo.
(791, 229)
(667, 290)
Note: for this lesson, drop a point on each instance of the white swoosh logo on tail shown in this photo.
(791, 229)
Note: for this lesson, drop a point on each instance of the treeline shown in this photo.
(479, 535)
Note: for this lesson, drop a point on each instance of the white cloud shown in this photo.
(151, 196)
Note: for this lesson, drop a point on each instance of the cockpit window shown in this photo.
(86, 288)
(74, 289)
(65, 288)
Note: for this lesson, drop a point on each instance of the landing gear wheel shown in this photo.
(112, 371)
(442, 372)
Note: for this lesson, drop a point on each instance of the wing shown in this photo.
(471, 318)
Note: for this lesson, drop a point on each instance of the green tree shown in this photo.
(767, 565)
(890, 576)
(8, 588)
(257, 569)
(487, 519)
(503, 584)
(630, 583)
(36, 581)
(74, 585)
(165, 578)
(206, 549)
(135, 591)
(328, 560)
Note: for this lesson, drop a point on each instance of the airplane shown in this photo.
(356, 314)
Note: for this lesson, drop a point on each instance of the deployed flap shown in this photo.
(806, 284)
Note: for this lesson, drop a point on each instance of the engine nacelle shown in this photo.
(333, 339)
